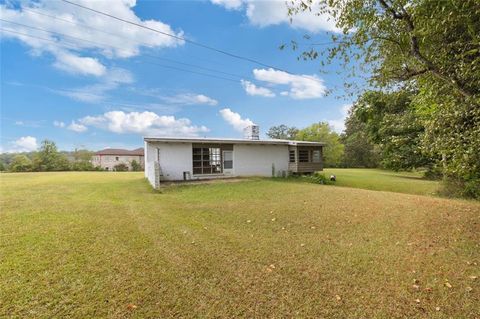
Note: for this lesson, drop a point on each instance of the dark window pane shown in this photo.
(303, 156)
(292, 156)
(228, 164)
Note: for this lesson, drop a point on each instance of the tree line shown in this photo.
(415, 66)
(48, 158)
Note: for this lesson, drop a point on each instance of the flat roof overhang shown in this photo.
(229, 141)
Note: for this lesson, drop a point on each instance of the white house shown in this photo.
(177, 158)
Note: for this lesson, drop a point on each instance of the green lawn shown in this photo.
(383, 180)
(102, 244)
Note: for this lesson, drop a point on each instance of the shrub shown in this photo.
(318, 178)
(136, 166)
(21, 163)
(452, 187)
(120, 167)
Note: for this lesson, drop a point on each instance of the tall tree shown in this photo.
(322, 132)
(430, 45)
(392, 123)
(359, 150)
(282, 132)
(49, 159)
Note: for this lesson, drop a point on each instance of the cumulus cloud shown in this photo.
(107, 37)
(77, 127)
(253, 89)
(235, 120)
(338, 125)
(273, 12)
(23, 144)
(146, 123)
(300, 86)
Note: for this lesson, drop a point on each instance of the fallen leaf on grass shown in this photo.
(274, 219)
(417, 300)
(270, 268)
(338, 297)
(468, 289)
(473, 277)
(416, 287)
(447, 284)
(301, 245)
(131, 306)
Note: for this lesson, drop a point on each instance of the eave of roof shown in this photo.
(229, 141)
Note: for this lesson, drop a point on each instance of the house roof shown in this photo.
(119, 151)
(229, 141)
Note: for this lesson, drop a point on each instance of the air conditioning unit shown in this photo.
(251, 132)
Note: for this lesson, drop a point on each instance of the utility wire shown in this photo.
(181, 38)
(122, 49)
(161, 65)
(85, 25)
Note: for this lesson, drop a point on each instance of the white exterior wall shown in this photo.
(175, 158)
(109, 161)
(248, 160)
(257, 160)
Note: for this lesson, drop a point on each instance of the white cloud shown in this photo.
(338, 125)
(235, 120)
(301, 86)
(79, 65)
(189, 99)
(263, 13)
(252, 89)
(23, 144)
(229, 4)
(107, 37)
(58, 124)
(77, 127)
(146, 123)
(98, 92)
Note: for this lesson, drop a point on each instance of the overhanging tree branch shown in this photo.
(416, 53)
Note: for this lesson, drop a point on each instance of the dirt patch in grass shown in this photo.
(104, 245)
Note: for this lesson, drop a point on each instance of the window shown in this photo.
(316, 156)
(227, 159)
(303, 156)
(207, 160)
(291, 156)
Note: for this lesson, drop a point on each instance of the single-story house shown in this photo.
(111, 157)
(178, 158)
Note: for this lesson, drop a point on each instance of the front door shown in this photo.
(228, 162)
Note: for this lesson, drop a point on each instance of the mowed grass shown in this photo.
(384, 180)
(99, 244)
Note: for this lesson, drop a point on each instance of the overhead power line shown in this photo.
(85, 25)
(152, 63)
(122, 49)
(181, 38)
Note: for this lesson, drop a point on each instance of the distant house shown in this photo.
(176, 158)
(110, 157)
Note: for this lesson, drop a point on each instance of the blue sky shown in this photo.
(96, 82)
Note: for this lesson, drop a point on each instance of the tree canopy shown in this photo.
(431, 47)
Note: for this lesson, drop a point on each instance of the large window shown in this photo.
(207, 160)
(303, 156)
